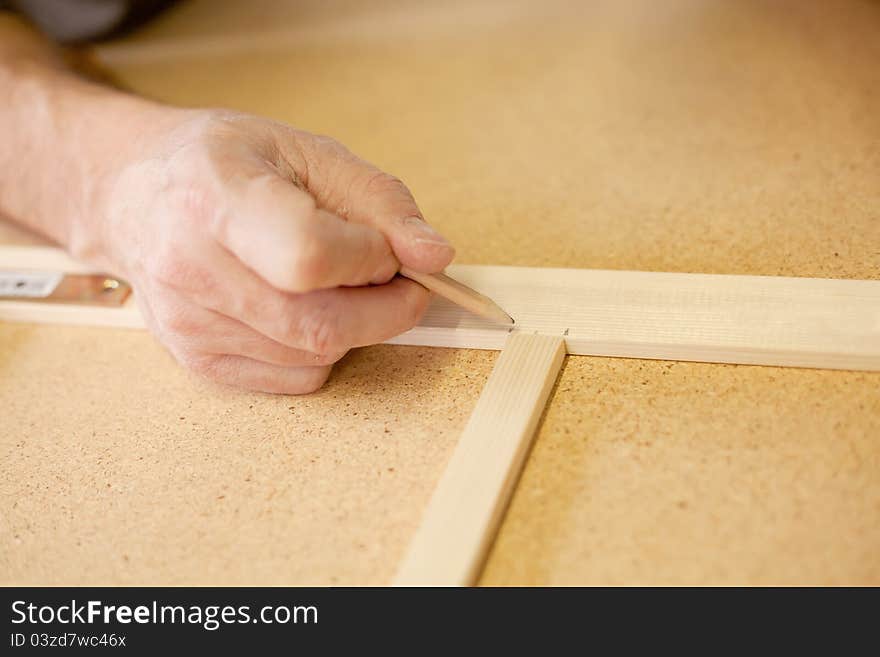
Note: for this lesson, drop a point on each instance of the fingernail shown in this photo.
(422, 232)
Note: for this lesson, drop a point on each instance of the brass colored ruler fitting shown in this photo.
(55, 287)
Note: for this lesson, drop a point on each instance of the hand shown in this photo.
(259, 254)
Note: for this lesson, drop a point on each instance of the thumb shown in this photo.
(360, 192)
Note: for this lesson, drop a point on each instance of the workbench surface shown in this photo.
(693, 136)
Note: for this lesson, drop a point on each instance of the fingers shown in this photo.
(258, 274)
(212, 301)
(363, 194)
(276, 229)
(233, 338)
(228, 352)
(202, 331)
(240, 371)
(331, 321)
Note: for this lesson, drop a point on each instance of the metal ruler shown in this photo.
(56, 287)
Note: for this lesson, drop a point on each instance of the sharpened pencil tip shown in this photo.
(498, 314)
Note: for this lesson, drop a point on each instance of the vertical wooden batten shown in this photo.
(466, 507)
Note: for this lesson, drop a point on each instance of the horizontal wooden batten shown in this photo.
(761, 320)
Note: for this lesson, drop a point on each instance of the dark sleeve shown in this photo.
(77, 21)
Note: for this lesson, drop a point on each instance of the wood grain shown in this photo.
(461, 295)
(757, 320)
(464, 511)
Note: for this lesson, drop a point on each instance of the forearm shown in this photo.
(61, 138)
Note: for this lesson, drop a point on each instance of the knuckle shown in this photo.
(329, 358)
(175, 322)
(165, 266)
(319, 331)
(301, 263)
(204, 126)
(195, 154)
(205, 365)
(195, 205)
(308, 269)
(379, 182)
(213, 121)
(269, 183)
(170, 269)
(179, 323)
(308, 265)
(311, 380)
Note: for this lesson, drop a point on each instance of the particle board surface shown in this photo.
(118, 468)
(706, 136)
(709, 136)
(659, 473)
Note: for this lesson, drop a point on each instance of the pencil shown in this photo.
(459, 294)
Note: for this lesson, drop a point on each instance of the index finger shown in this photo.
(277, 230)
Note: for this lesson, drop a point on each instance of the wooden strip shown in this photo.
(461, 295)
(466, 507)
(41, 257)
(759, 320)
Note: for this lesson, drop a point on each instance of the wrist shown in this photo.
(64, 139)
(110, 132)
